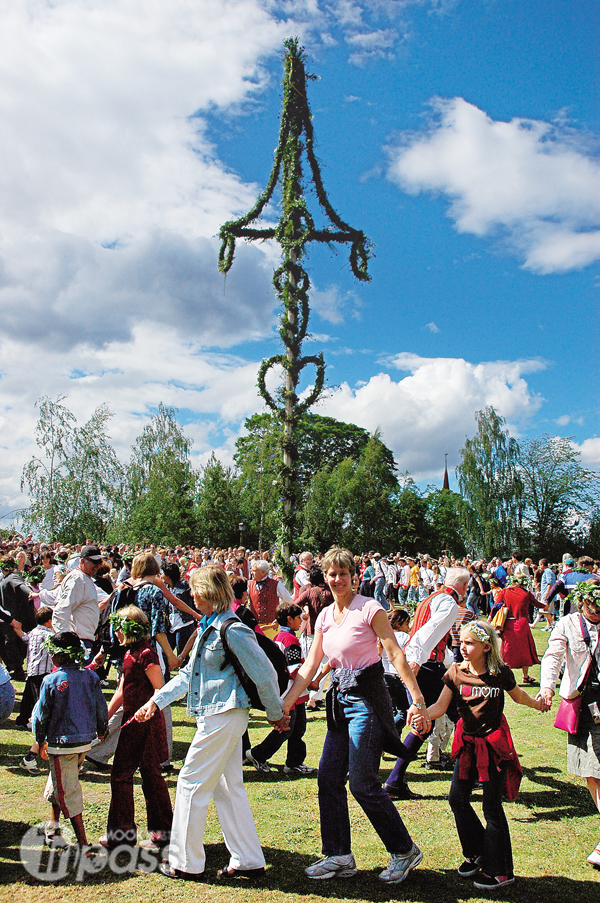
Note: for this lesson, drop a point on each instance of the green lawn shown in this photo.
(553, 827)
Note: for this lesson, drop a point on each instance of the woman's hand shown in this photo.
(283, 724)
(146, 712)
(173, 661)
(545, 696)
(423, 725)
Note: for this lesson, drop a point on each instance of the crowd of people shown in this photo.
(406, 644)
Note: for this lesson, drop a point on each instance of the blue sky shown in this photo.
(462, 137)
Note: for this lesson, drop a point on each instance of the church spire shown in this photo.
(446, 484)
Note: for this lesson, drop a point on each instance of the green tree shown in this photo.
(444, 519)
(257, 461)
(489, 483)
(159, 497)
(351, 502)
(411, 533)
(323, 443)
(74, 486)
(219, 509)
(558, 494)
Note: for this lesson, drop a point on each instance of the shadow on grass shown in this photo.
(285, 875)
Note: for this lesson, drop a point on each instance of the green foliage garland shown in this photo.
(294, 230)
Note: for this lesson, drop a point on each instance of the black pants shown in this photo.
(492, 842)
(296, 750)
(31, 694)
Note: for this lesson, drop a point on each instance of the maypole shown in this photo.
(293, 232)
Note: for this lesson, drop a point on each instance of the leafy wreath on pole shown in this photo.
(293, 232)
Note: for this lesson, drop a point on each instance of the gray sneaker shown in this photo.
(332, 867)
(301, 770)
(400, 865)
(263, 767)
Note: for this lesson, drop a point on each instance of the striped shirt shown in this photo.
(39, 660)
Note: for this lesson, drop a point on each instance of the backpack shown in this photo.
(119, 598)
(273, 653)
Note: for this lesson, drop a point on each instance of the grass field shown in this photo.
(553, 827)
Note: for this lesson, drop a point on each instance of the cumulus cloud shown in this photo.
(334, 305)
(214, 393)
(63, 290)
(535, 184)
(431, 411)
(590, 453)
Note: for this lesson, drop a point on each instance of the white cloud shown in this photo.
(334, 305)
(535, 184)
(217, 391)
(432, 327)
(430, 411)
(590, 453)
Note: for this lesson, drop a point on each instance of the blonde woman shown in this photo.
(213, 765)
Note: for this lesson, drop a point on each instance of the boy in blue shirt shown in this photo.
(70, 713)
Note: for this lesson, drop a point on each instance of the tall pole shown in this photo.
(293, 232)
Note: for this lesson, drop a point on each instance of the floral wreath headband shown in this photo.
(587, 591)
(131, 630)
(519, 580)
(478, 631)
(75, 652)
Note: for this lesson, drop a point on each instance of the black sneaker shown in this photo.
(470, 867)
(490, 882)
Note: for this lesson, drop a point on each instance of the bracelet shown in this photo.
(419, 705)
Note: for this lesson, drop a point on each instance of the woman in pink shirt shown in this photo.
(360, 723)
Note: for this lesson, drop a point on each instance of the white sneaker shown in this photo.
(332, 867)
(400, 865)
(298, 769)
(594, 857)
(30, 765)
(263, 767)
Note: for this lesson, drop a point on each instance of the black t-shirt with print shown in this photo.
(479, 697)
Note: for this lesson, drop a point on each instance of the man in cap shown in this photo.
(76, 606)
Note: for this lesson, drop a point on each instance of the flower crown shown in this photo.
(478, 631)
(131, 630)
(587, 591)
(519, 580)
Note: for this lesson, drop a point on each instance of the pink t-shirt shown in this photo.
(353, 643)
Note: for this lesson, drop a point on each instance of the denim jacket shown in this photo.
(71, 709)
(213, 686)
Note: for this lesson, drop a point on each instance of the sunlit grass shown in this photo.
(553, 826)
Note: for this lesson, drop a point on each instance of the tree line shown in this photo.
(533, 494)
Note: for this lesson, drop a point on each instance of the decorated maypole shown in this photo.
(293, 232)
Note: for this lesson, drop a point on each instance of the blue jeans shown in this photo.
(493, 841)
(380, 592)
(7, 700)
(355, 749)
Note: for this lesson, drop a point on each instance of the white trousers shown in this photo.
(213, 769)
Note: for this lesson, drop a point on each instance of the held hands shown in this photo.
(146, 712)
(283, 724)
(544, 697)
(419, 719)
